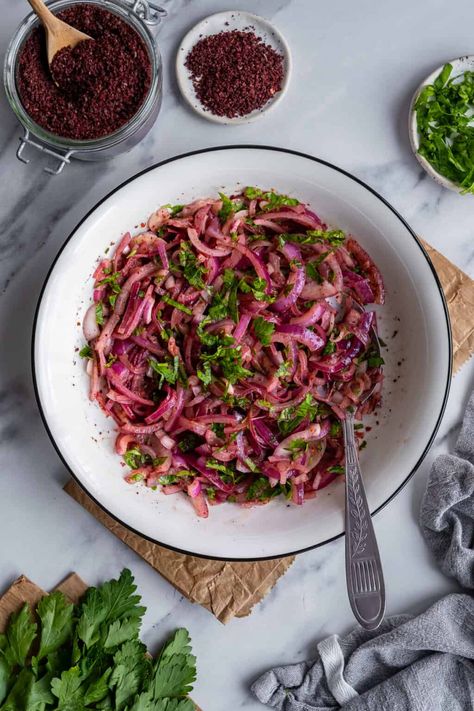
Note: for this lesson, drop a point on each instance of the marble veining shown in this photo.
(355, 68)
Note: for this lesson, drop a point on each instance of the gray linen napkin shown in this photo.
(423, 663)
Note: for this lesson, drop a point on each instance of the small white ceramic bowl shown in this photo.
(460, 65)
(413, 322)
(226, 22)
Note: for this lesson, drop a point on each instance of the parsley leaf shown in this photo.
(263, 330)
(291, 417)
(259, 490)
(19, 637)
(334, 237)
(112, 601)
(189, 441)
(337, 469)
(174, 209)
(227, 208)
(99, 313)
(218, 429)
(86, 352)
(375, 361)
(274, 199)
(193, 270)
(167, 371)
(68, 690)
(55, 614)
(177, 305)
(329, 348)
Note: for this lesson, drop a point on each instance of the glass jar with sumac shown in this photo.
(102, 97)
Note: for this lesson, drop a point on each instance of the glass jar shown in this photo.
(141, 15)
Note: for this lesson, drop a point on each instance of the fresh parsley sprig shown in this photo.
(89, 656)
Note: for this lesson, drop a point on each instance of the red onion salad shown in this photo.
(225, 343)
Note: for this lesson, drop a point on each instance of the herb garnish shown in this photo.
(444, 112)
(263, 330)
(291, 417)
(86, 352)
(193, 269)
(89, 656)
(275, 200)
(177, 305)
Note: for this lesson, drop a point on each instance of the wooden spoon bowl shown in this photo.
(58, 33)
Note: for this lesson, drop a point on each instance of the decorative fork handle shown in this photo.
(364, 575)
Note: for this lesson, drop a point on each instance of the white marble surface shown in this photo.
(355, 67)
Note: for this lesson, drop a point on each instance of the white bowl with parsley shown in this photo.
(413, 324)
(441, 129)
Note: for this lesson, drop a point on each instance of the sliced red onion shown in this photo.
(203, 248)
(163, 408)
(303, 335)
(90, 326)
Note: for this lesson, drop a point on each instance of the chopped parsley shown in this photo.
(228, 207)
(99, 313)
(263, 330)
(275, 200)
(226, 473)
(329, 348)
(189, 441)
(177, 305)
(193, 270)
(226, 356)
(218, 429)
(257, 287)
(297, 447)
(174, 209)
(291, 417)
(211, 493)
(111, 360)
(134, 458)
(167, 371)
(259, 490)
(334, 237)
(375, 361)
(205, 374)
(336, 469)
(335, 430)
(444, 111)
(86, 352)
(284, 369)
(112, 282)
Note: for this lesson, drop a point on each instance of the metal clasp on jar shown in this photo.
(62, 158)
(148, 12)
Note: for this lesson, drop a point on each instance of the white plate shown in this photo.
(460, 65)
(225, 22)
(413, 405)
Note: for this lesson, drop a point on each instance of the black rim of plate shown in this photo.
(244, 147)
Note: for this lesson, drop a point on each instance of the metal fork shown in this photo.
(364, 575)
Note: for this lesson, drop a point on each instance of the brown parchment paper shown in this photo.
(232, 589)
(459, 291)
(23, 590)
(226, 589)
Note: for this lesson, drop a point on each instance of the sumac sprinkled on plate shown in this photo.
(234, 72)
(98, 86)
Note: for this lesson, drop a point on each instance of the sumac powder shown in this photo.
(98, 86)
(234, 72)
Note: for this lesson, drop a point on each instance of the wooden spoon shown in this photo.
(58, 33)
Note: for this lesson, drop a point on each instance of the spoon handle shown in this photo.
(364, 575)
(43, 12)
